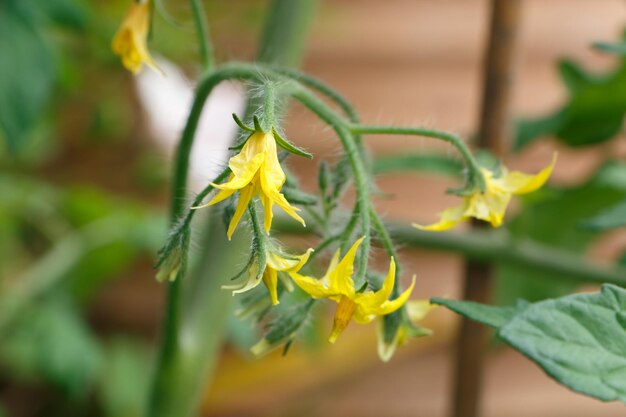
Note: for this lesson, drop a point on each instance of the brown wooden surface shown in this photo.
(494, 135)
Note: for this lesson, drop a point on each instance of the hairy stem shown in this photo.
(450, 138)
(361, 181)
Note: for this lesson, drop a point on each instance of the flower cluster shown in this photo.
(255, 178)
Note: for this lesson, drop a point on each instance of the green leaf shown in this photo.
(579, 340)
(27, 74)
(552, 216)
(28, 65)
(491, 316)
(612, 48)
(593, 113)
(609, 218)
(50, 340)
(528, 130)
(125, 379)
(436, 163)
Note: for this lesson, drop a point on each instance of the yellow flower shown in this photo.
(275, 263)
(491, 204)
(255, 171)
(130, 40)
(337, 285)
(416, 311)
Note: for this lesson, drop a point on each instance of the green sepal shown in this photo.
(283, 328)
(257, 124)
(172, 257)
(289, 147)
(244, 269)
(241, 124)
(296, 196)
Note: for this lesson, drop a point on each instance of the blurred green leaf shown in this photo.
(28, 68)
(612, 48)
(50, 339)
(608, 218)
(579, 340)
(436, 163)
(124, 383)
(593, 113)
(553, 217)
(26, 73)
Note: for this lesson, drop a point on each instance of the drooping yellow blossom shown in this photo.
(255, 171)
(416, 310)
(491, 204)
(337, 285)
(275, 263)
(130, 41)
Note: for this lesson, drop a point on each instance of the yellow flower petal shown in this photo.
(314, 287)
(256, 167)
(242, 176)
(343, 315)
(340, 279)
(520, 183)
(244, 199)
(377, 298)
(389, 307)
(270, 279)
(288, 265)
(418, 309)
(360, 307)
(449, 218)
(130, 41)
(490, 205)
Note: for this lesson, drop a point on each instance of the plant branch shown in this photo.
(204, 38)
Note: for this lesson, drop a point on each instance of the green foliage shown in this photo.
(435, 163)
(124, 380)
(50, 339)
(28, 69)
(593, 113)
(608, 218)
(579, 340)
(553, 217)
(611, 48)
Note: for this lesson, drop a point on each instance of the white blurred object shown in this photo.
(167, 101)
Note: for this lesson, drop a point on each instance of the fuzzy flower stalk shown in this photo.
(490, 205)
(130, 41)
(352, 303)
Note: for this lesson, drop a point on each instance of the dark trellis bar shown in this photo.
(494, 132)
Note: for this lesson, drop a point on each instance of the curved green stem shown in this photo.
(323, 88)
(346, 234)
(452, 139)
(204, 39)
(181, 159)
(361, 182)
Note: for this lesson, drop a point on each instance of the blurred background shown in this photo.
(85, 161)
